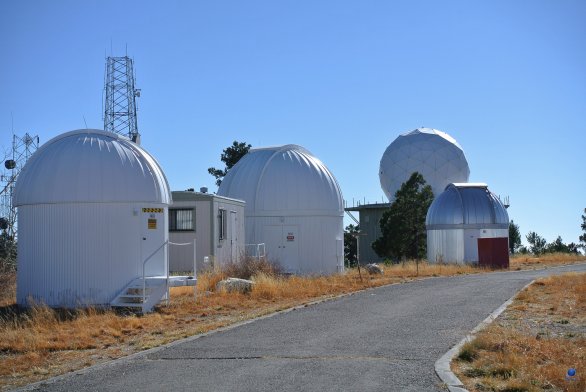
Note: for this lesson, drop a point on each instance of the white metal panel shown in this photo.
(78, 254)
(445, 246)
(471, 245)
(273, 239)
(318, 238)
(91, 166)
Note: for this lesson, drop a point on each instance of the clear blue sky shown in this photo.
(507, 79)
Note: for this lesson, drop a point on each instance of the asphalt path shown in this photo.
(384, 339)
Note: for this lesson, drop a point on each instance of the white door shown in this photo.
(471, 246)
(290, 248)
(272, 237)
(153, 236)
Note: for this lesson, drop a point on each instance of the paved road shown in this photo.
(386, 339)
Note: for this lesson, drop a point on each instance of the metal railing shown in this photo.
(164, 244)
(257, 251)
(194, 261)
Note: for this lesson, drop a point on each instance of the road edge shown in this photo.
(39, 384)
(442, 365)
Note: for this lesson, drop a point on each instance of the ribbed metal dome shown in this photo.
(465, 205)
(283, 180)
(93, 166)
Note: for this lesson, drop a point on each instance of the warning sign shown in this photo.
(152, 224)
(152, 210)
(290, 237)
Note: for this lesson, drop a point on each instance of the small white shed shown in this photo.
(92, 207)
(293, 204)
(215, 222)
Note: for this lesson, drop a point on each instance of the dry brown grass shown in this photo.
(519, 262)
(532, 345)
(8, 288)
(40, 342)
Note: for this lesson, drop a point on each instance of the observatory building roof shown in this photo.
(93, 166)
(464, 205)
(283, 180)
(432, 153)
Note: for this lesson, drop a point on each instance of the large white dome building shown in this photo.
(92, 206)
(293, 204)
(434, 154)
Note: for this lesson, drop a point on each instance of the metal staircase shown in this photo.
(142, 295)
(145, 292)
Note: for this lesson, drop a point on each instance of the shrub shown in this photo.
(248, 267)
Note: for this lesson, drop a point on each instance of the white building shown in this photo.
(468, 224)
(434, 154)
(293, 204)
(92, 207)
(215, 222)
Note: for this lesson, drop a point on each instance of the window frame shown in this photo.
(173, 219)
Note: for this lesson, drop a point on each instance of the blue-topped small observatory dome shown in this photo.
(462, 221)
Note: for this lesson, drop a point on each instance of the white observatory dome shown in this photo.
(432, 153)
(286, 178)
(92, 206)
(293, 204)
(91, 166)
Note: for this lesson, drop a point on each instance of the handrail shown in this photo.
(258, 247)
(194, 261)
(143, 270)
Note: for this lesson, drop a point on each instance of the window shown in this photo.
(221, 224)
(181, 219)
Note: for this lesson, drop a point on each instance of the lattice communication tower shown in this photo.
(22, 148)
(120, 98)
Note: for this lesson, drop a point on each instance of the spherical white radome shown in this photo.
(434, 154)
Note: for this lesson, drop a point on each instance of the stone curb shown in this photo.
(442, 365)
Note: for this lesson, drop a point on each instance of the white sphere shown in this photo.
(434, 154)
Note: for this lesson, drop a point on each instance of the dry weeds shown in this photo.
(40, 342)
(8, 288)
(531, 346)
(519, 262)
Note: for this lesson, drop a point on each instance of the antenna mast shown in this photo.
(120, 98)
(22, 149)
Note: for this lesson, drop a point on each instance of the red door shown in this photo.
(493, 252)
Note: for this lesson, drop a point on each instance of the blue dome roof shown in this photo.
(467, 205)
